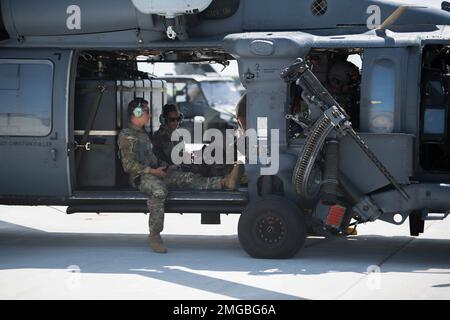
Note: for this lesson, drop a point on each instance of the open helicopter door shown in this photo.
(34, 106)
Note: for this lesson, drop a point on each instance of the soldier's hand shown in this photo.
(160, 172)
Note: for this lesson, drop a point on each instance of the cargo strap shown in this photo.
(91, 146)
(89, 126)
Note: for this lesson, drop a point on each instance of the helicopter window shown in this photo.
(194, 93)
(382, 97)
(319, 7)
(434, 121)
(176, 92)
(26, 89)
(222, 93)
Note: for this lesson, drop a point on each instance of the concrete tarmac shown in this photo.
(45, 254)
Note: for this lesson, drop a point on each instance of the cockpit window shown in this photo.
(26, 89)
(220, 93)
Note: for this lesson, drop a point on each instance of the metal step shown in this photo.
(430, 216)
(178, 201)
(175, 195)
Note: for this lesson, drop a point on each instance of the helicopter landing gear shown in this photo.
(416, 223)
(272, 228)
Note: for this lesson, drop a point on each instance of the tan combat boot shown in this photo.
(156, 243)
(231, 181)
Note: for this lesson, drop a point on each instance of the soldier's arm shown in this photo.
(163, 148)
(167, 149)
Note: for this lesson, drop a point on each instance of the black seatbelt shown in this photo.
(90, 124)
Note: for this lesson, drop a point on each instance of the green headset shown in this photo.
(138, 111)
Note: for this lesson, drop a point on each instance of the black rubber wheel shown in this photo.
(272, 228)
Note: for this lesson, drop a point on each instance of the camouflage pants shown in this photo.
(157, 189)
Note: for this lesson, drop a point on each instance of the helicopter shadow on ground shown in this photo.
(191, 255)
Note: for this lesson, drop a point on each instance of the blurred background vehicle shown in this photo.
(205, 93)
(209, 99)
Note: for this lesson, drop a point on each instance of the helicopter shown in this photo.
(356, 143)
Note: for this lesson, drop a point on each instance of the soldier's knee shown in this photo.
(159, 193)
(152, 185)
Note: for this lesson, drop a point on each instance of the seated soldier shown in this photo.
(343, 83)
(153, 176)
(170, 120)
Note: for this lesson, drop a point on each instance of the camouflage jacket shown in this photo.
(136, 152)
(163, 145)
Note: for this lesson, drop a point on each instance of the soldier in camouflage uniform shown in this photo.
(153, 176)
(170, 120)
(343, 83)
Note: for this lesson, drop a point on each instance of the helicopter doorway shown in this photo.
(435, 115)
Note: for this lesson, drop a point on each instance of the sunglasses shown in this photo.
(174, 119)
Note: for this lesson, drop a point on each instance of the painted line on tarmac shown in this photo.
(59, 210)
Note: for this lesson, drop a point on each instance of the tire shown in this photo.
(272, 228)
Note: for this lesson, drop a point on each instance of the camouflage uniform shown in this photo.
(163, 150)
(163, 144)
(136, 153)
(343, 84)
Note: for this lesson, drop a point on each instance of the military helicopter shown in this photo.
(355, 144)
